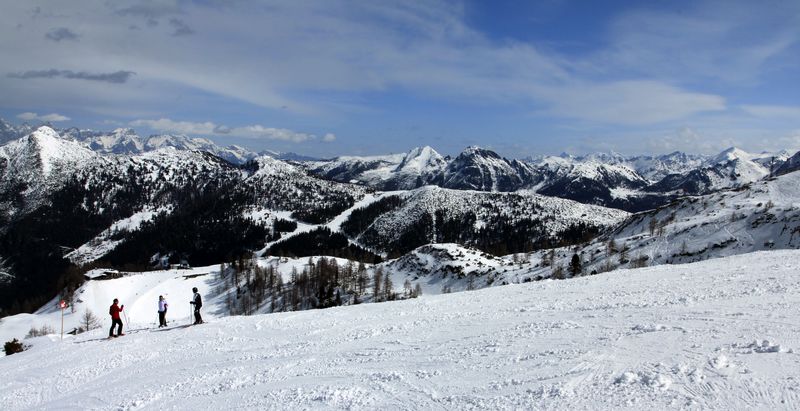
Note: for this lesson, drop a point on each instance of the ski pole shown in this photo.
(127, 321)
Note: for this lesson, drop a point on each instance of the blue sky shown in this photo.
(338, 77)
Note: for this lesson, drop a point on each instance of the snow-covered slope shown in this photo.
(653, 168)
(139, 292)
(35, 165)
(729, 169)
(791, 164)
(389, 172)
(764, 215)
(126, 141)
(272, 188)
(719, 334)
(632, 183)
(484, 219)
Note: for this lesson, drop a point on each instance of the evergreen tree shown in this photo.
(575, 265)
(388, 288)
(417, 290)
(377, 278)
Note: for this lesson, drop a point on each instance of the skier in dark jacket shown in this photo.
(114, 311)
(197, 302)
(162, 311)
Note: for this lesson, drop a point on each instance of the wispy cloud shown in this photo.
(211, 129)
(182, 127)
(727, 41)
(630, 103)
(271, 133)
(149, 9)
(117, 77)
(783, 112)
(646, 67)
(181, 28)
(61, 33)
(51, 118)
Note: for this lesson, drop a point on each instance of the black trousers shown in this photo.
(197, 318)
(162, 318)
(118, 323)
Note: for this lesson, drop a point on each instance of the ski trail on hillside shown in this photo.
(335, 225)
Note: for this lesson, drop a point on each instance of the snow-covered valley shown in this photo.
(716, 334)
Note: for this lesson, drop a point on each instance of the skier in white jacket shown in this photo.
(162, 311)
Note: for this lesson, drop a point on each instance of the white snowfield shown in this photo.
(719, 334)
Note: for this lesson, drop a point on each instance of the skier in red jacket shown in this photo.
(114, 311)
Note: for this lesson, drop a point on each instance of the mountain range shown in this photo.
(72, 200)
(632, 183)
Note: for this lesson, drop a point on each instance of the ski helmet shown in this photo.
(194, 289)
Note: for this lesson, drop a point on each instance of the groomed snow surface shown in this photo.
(716, 334)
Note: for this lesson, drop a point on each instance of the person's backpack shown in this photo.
(111, 310)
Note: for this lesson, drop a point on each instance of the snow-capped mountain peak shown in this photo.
(33, 165)
(730, 154)
(52, 151)
(422, 160)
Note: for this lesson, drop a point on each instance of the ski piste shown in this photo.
(721, 334)
(156, 329)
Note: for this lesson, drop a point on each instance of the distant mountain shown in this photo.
(760, 216)
(474, 169)
(729, 169)
(483, 170)
(496, 222)
(588, 180)
(403, 171)
(9, 132)
(35, 165)
(287, 156)
(632, 183)
(790, 165)
(126, 141)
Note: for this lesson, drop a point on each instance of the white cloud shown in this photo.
(332, 47)
(790, 112)
(209, 128)
(630, 103)
(51, 118)
(329, 137)
(171, 126)
(687, 137)
(270, 133)
(321, 58)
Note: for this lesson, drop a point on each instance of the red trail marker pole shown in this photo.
(63, 306)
